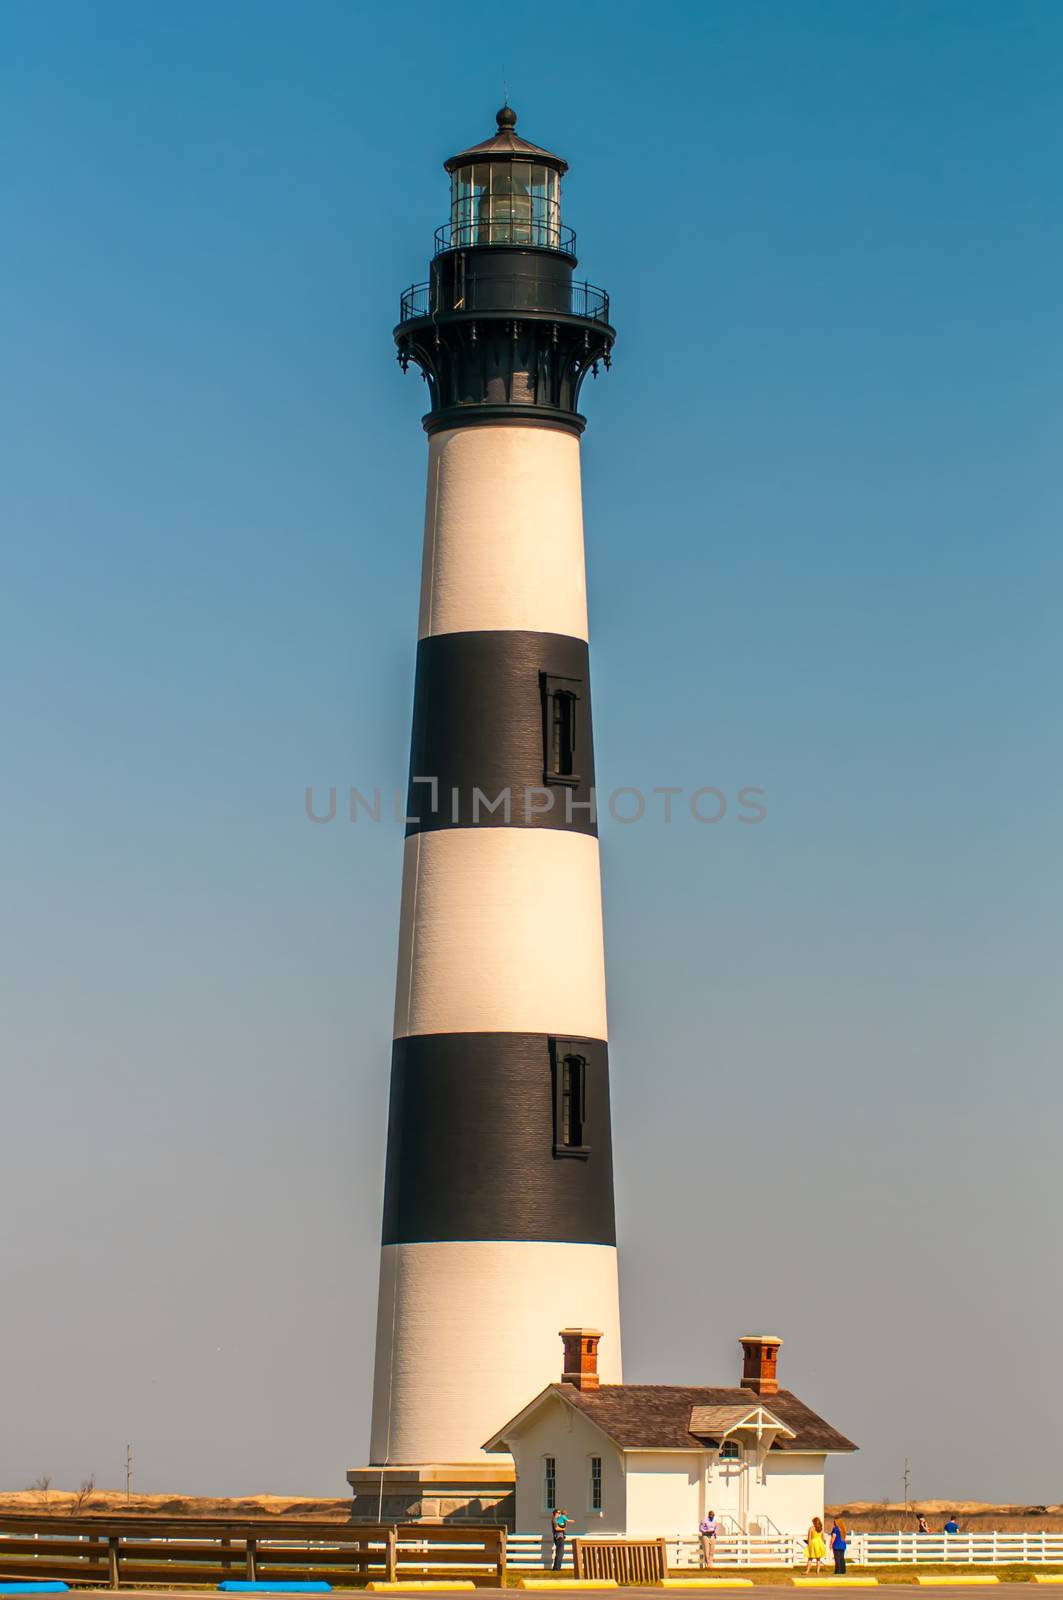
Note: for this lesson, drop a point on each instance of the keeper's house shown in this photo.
(645, 1460)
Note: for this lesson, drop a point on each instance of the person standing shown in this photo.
(838, 1543)
(815, 1546)
(558, 1524)
(707, 1534)
(952, 1526)
(924, 1526)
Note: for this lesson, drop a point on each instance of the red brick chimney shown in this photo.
(581, 1357)
(760, 1358)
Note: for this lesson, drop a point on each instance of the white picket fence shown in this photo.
(865, 1549)
(996, 1549)
(532, 1550)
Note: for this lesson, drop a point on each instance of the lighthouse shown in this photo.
(498, 1226)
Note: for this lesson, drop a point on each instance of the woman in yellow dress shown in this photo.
(815, 1546)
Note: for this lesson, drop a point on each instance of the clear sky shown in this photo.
(823, 502)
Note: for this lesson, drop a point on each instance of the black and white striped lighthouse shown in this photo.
(498, 1209)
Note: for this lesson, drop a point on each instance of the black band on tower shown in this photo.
(499, 1136)
(502, 723)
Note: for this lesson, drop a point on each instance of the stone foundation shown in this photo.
(437, 1494)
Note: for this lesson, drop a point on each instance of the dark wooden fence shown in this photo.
(107, 1552)
(629, 1561)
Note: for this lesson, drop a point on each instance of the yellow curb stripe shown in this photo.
(568, 1583)
(972, 1580)
(835, 1583)
(401, 1586)
(706, 1583)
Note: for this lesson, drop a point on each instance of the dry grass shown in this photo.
(974, 1516)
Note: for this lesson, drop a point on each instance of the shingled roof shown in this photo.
(656, 1416)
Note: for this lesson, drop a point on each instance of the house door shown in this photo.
(729, 1492)
(743, 1495)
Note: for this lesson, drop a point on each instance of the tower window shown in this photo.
(560, 709)
(595, 1501)
(730, 1450)
(549, 1483)
(570, 1098)
(573, 1090)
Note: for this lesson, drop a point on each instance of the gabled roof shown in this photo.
(653, 1416)
(716, 1422)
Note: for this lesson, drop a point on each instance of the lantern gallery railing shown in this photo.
(585, 300)
(540, 232)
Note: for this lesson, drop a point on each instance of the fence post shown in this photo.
(112, 1561)
(391, 1555)
(501, 1558)
(249, 1559)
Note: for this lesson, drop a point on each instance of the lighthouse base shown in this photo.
(464, 1492)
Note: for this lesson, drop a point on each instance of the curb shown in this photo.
(835, 1583)
(706, 1583)
(942, 1583)
(400, 1586)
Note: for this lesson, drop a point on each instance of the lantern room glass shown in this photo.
(505, 202)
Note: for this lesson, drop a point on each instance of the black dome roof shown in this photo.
(505, 145)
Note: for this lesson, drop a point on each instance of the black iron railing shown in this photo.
(528, 231)
(584, 300)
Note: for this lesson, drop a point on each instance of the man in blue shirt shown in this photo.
(559, 1522)
(952, 1526)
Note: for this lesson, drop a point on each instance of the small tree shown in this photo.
(84, 1490)
(42, 1485)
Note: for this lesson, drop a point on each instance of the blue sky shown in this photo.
(822, 501)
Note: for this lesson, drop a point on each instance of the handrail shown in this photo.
(586, 300)
(531, 232)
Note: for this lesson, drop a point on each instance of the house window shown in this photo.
(730, 1450)
(549, 1483)
(560, 707)
(570, 1098)
(595, 1502)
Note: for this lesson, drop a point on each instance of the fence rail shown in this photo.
(109, 1553)
(865, 1549)
(968, 1548)
(877, 1549)
(627, 1561)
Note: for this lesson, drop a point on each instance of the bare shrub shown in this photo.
(85, 1489)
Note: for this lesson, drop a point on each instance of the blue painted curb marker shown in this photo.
(268, 1586)
(31, 1587)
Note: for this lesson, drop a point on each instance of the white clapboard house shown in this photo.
(645, 1460)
